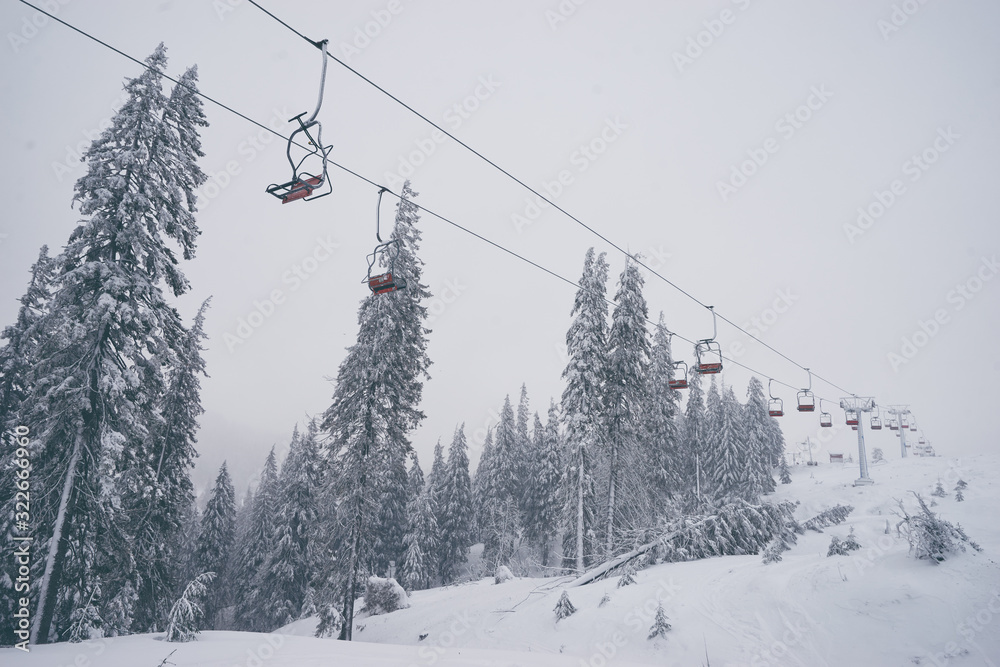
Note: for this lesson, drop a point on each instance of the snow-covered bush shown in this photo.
(182, 622)
(330, 621)
(502, 574)
(959, 496)
(939, 490)
(383, 596)
(660, 625)
(931, 537)
(838, 548)
(877, 455)
(604, 600)
(564, 607)
(628, 577)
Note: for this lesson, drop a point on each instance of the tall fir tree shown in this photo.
(255, 545)
(663, 463)
(16, 359)
(541, 519)
(758, 445)
(215, 542)
(375, 406)
(626, 394)
(731, 477)
(111, 343)
(523, 441)
(483, 484)
(455, 527)
(419, 564)
(288, 570)
(693, 442)
(586, 346)
(167, 457)
(502, 508)
(712, 454)
(414, 478)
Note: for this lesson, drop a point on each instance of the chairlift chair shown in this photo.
(805, 398)
(852, 417)
(679, 381)
(385, 253)
(876, 422)
(775, 407)
(708, 352)
(893, 425)
(825, 418)
(304, 184)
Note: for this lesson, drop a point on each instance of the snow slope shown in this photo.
(876, 607)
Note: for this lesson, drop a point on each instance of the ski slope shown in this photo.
(878, 606)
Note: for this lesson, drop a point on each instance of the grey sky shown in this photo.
(667, 120)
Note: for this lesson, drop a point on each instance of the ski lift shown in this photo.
(825, 418)
(852, 417)
(679, 381)
(806, 399)
(893, 425)
(876, 422)
(904, 422)
(303, 183)
(922, 442)
(386, 252)
(775, 408)
(708, 351)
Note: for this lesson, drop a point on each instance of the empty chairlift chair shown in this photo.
(775, 407)
(680, 379)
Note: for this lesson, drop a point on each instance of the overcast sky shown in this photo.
(733, 143)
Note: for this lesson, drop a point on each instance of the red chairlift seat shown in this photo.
(775, 408)
(679, 381)
(709, 354)
(382, 283)
(300, 188)
(852, 418)
(854, 428)
(825, 420)
(913, 427)
(806, 401)
(876, 424)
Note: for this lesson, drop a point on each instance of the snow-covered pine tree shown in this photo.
(660, 623)
(456, 526)
(586, 346)
(776, 442)
(16, 358)
(420, 561)
(435, 482)
(931, 537)
(712, 454)
(757, 443)
(186, 612)
(483, 484)
(729, 472)
(288, 570)
(784, 472)
(961, 484)
(564, 607)
(170, 453)
(414, 478)
(215, 542)
(877, 455)
(939, 491)
(542, 516)
(625, 397)
(98, 382)
(525, 455)
(253, 550)
(695, 434)
(502, 510)
(663, 465)
(959, 496)
(375, 406)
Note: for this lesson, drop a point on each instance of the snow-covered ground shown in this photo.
(876, 607)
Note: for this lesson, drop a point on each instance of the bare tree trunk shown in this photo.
(612, 484)
(579, 513)
(57, 552)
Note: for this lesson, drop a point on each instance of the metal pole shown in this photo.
(862, 456)
(902, 436)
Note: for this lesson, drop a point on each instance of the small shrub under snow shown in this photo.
(502, 574)
(383, 596)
